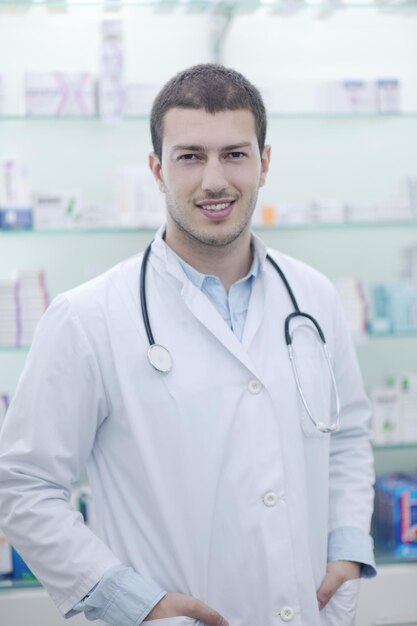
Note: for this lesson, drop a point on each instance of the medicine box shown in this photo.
(387, 92)
(1, 95)
(347, 96)
(395, 513)
(60, 93)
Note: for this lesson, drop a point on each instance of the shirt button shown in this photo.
(270, 499)
(254, 386)
(287, 614)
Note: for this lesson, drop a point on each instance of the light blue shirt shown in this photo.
(123, 597)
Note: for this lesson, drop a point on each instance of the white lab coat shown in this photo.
(211, 480)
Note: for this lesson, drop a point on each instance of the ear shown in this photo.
(265, 160)
(156, 169)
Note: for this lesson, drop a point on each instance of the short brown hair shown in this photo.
(211, 87)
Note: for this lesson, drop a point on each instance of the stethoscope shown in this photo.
(161, 360)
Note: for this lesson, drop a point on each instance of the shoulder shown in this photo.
(109, 284)
(104, 296)
(303, 275)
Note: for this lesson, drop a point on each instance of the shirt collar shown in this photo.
(179, 268)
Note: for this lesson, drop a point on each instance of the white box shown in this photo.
(139, 201)
(6, 563)
(387, 95)
(61, 209)
(1, 95)
(347, 96)
(60, 93)
(111, 90)
(386, 417)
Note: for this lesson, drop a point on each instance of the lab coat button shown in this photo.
(287, 614)
(270, 499)
(254, 386)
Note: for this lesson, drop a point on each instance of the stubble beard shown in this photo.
(197, 237)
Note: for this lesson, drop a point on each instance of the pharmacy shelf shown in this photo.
(232, 6)
(394, 446)
(383, 556)
(9, 583)
(315, 227)
(284, 115)
(14, 349)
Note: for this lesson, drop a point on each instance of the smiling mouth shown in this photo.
(215, 207)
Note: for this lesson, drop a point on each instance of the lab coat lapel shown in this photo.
(201, 307)
(256, 312)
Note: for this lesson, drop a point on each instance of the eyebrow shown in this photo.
(200, 148)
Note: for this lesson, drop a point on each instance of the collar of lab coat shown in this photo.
(164, 258)
(170, 260)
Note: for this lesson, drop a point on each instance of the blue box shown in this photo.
(20, 569)
(11, 219)
(395, 513)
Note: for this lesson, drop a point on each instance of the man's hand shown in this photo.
(338, 572)
(174, 604)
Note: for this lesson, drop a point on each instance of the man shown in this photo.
(219, 498)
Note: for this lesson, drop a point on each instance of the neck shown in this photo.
(229, 262)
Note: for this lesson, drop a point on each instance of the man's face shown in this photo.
(211, 171)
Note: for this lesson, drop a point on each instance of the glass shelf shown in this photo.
(228, 5)
(383, 556)
(384, 447)
(48, 232)
(284, 115)
(14, 349)
(10, 583)
(118, 230)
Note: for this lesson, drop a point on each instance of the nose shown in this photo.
(214, 179)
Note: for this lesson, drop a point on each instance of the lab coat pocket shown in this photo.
(180, 620)
(341, 609)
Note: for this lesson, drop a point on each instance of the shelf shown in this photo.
(9, 583)
(225, 5)
(14, 349)
(118, 230)
(384, 447)
(77, 231)
(383, 556)
(284, 115)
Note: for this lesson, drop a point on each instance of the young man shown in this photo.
(221, 499)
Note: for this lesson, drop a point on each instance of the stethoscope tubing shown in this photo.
(156, 349)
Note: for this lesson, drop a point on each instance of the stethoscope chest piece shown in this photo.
(160, 358)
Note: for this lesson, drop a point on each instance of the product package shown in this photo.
(386, 416)
(347, 96)
(139, 203)
(1, 95)
(111, 89)
(6, 562)
(9, 313)
(61, 209)
(20, 570)
(33, 302)
(355, 304)
(395, 513)
(387, 93)
(60, 93)
(15, 195)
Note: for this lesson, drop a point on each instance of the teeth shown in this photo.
(215, 207)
